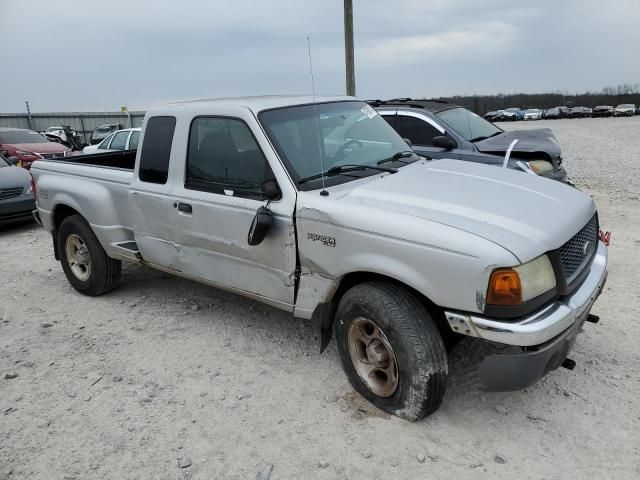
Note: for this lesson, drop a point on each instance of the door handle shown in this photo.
(185, 207)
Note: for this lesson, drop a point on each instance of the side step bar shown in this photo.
(129, 250)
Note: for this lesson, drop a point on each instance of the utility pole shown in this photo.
(348, 47)
(29, 115)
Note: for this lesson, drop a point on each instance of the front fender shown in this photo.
(448, 266)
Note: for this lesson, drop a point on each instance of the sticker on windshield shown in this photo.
(369, 111)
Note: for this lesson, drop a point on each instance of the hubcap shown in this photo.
(373, 357)
(78, 257)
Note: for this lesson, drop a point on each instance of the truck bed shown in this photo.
(96, 186)
(120, 159)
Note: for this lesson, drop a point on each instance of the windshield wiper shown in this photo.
(397, 156)
(349, 167)
(477, 139)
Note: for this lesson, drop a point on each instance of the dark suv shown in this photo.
(439, 129)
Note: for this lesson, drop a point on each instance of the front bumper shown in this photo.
(543, 325)
(547, 335)
(16, 210)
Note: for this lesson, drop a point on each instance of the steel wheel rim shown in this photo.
(78, 257)
(372, 357)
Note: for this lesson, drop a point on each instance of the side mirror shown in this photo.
(270, 190)
(260, 226)
(443, 141)
(408, 142)
(13, 160)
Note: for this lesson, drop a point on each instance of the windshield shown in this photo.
(626, 105)
(342, 133)
(3, 162)
(470, 126)
(21, 136)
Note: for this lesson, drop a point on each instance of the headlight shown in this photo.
(540, 166)
(513, 286)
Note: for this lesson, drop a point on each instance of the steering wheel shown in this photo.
(344, 146)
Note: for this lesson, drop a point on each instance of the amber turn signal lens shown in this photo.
(504, 288)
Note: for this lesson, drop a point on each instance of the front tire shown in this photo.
(391, 350)
(84, 262)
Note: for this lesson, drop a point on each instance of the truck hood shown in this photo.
(523, 213)
(535, 140)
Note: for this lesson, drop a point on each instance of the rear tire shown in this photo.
(377, 317)
(84, 262)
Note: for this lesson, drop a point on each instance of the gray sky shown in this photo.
(144, 52)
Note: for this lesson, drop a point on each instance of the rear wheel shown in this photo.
(85, 263)
(391, 350)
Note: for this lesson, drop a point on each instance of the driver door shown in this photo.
(214, 205)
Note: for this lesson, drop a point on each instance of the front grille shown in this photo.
(6, 193)
(577, 252)
(52, 155)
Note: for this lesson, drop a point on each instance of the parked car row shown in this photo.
(514, 114)
(58, 134)
(438, 129)
(17, 200)
(28, 146)
(125, 139)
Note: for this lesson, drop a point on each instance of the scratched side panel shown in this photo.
(212, 244)
(336, 238)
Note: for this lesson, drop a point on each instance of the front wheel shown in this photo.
(391, 350)
(84, 262)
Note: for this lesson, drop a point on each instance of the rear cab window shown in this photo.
(156, 150)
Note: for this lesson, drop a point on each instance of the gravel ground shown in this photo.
(166, 378)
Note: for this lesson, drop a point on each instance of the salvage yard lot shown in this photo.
(167, 378)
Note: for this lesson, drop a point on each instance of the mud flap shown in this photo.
(323, 314)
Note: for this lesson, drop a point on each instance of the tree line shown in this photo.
(480, 104)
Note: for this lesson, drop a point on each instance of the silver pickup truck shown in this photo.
(319, 208)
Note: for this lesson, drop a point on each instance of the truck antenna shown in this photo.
(323, 192)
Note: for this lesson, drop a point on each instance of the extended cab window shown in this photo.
(416, 130)
(156, 149)
(224, 158)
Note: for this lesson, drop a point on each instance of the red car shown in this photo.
(29, 146)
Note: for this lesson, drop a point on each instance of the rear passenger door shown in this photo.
(421, 130)
(217, 200)
(152, 211)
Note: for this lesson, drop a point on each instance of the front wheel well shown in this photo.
(328, 310)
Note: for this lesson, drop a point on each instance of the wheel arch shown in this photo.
(59, 213)
(325, 312)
